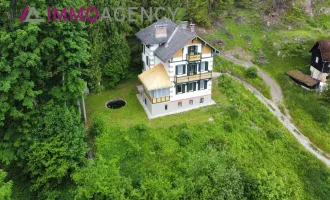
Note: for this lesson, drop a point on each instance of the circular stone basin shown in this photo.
(116, 104)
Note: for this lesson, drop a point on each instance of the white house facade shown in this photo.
(177, 69)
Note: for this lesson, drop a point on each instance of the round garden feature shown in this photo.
(116, 104)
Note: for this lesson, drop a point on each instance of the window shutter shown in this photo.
(177, 89)
(184, 69)
(199, 66)
(199, 84)
(206, 66)
(205, 84)
(183, 88)
(195, 83)
(176, 70)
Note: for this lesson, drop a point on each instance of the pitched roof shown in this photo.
(148, 36)
(325, 50)
(179, 39)
(155, 78)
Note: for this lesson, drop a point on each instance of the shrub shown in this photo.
(252, 72)
(98, 125)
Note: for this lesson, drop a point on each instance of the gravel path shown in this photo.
(275, 89)
(272, 105)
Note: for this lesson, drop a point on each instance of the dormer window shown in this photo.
(161, 31)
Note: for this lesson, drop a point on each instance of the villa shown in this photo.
(177, 69)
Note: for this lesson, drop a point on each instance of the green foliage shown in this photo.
(272, 187)
(326, 93)
(98, 125)
(53, 147)
(296, 16)
(5, 187)
(101, 179)
(209, 176)
(225, 66)
(111, 52)
(116, 67)
(252, 72)
(39, 62)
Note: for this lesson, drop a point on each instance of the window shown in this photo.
(204, 66)
(190, 86)
(180, 69)
(145, 101)
(203, 84)
(180, 104)
(317, 60)
(180, 88)
(192, 50)
(147, 60)
(192, 69)
(161, 93)
(201, 100)
(191, 102)
(144, 48)
(165, 107)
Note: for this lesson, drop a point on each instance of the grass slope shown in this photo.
(252, 139)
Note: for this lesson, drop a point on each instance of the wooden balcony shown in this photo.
(185, 79)
(195, 57)
(157, 100)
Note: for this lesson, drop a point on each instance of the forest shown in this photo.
(48, 151)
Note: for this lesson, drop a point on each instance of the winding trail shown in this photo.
(272, 105)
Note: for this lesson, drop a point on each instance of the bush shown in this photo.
(252, 72)
(98, 125)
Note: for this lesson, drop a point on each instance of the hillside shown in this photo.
(53, 73)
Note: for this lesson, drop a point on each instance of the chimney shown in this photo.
(192, 27)
(184, 25)
(161, 31)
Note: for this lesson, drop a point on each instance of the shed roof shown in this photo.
(302, 78)
(155, 78)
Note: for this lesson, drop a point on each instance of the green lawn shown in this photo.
(133, 113)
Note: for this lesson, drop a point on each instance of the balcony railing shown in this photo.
(195, 57)
(196, 77)
(156, 100)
